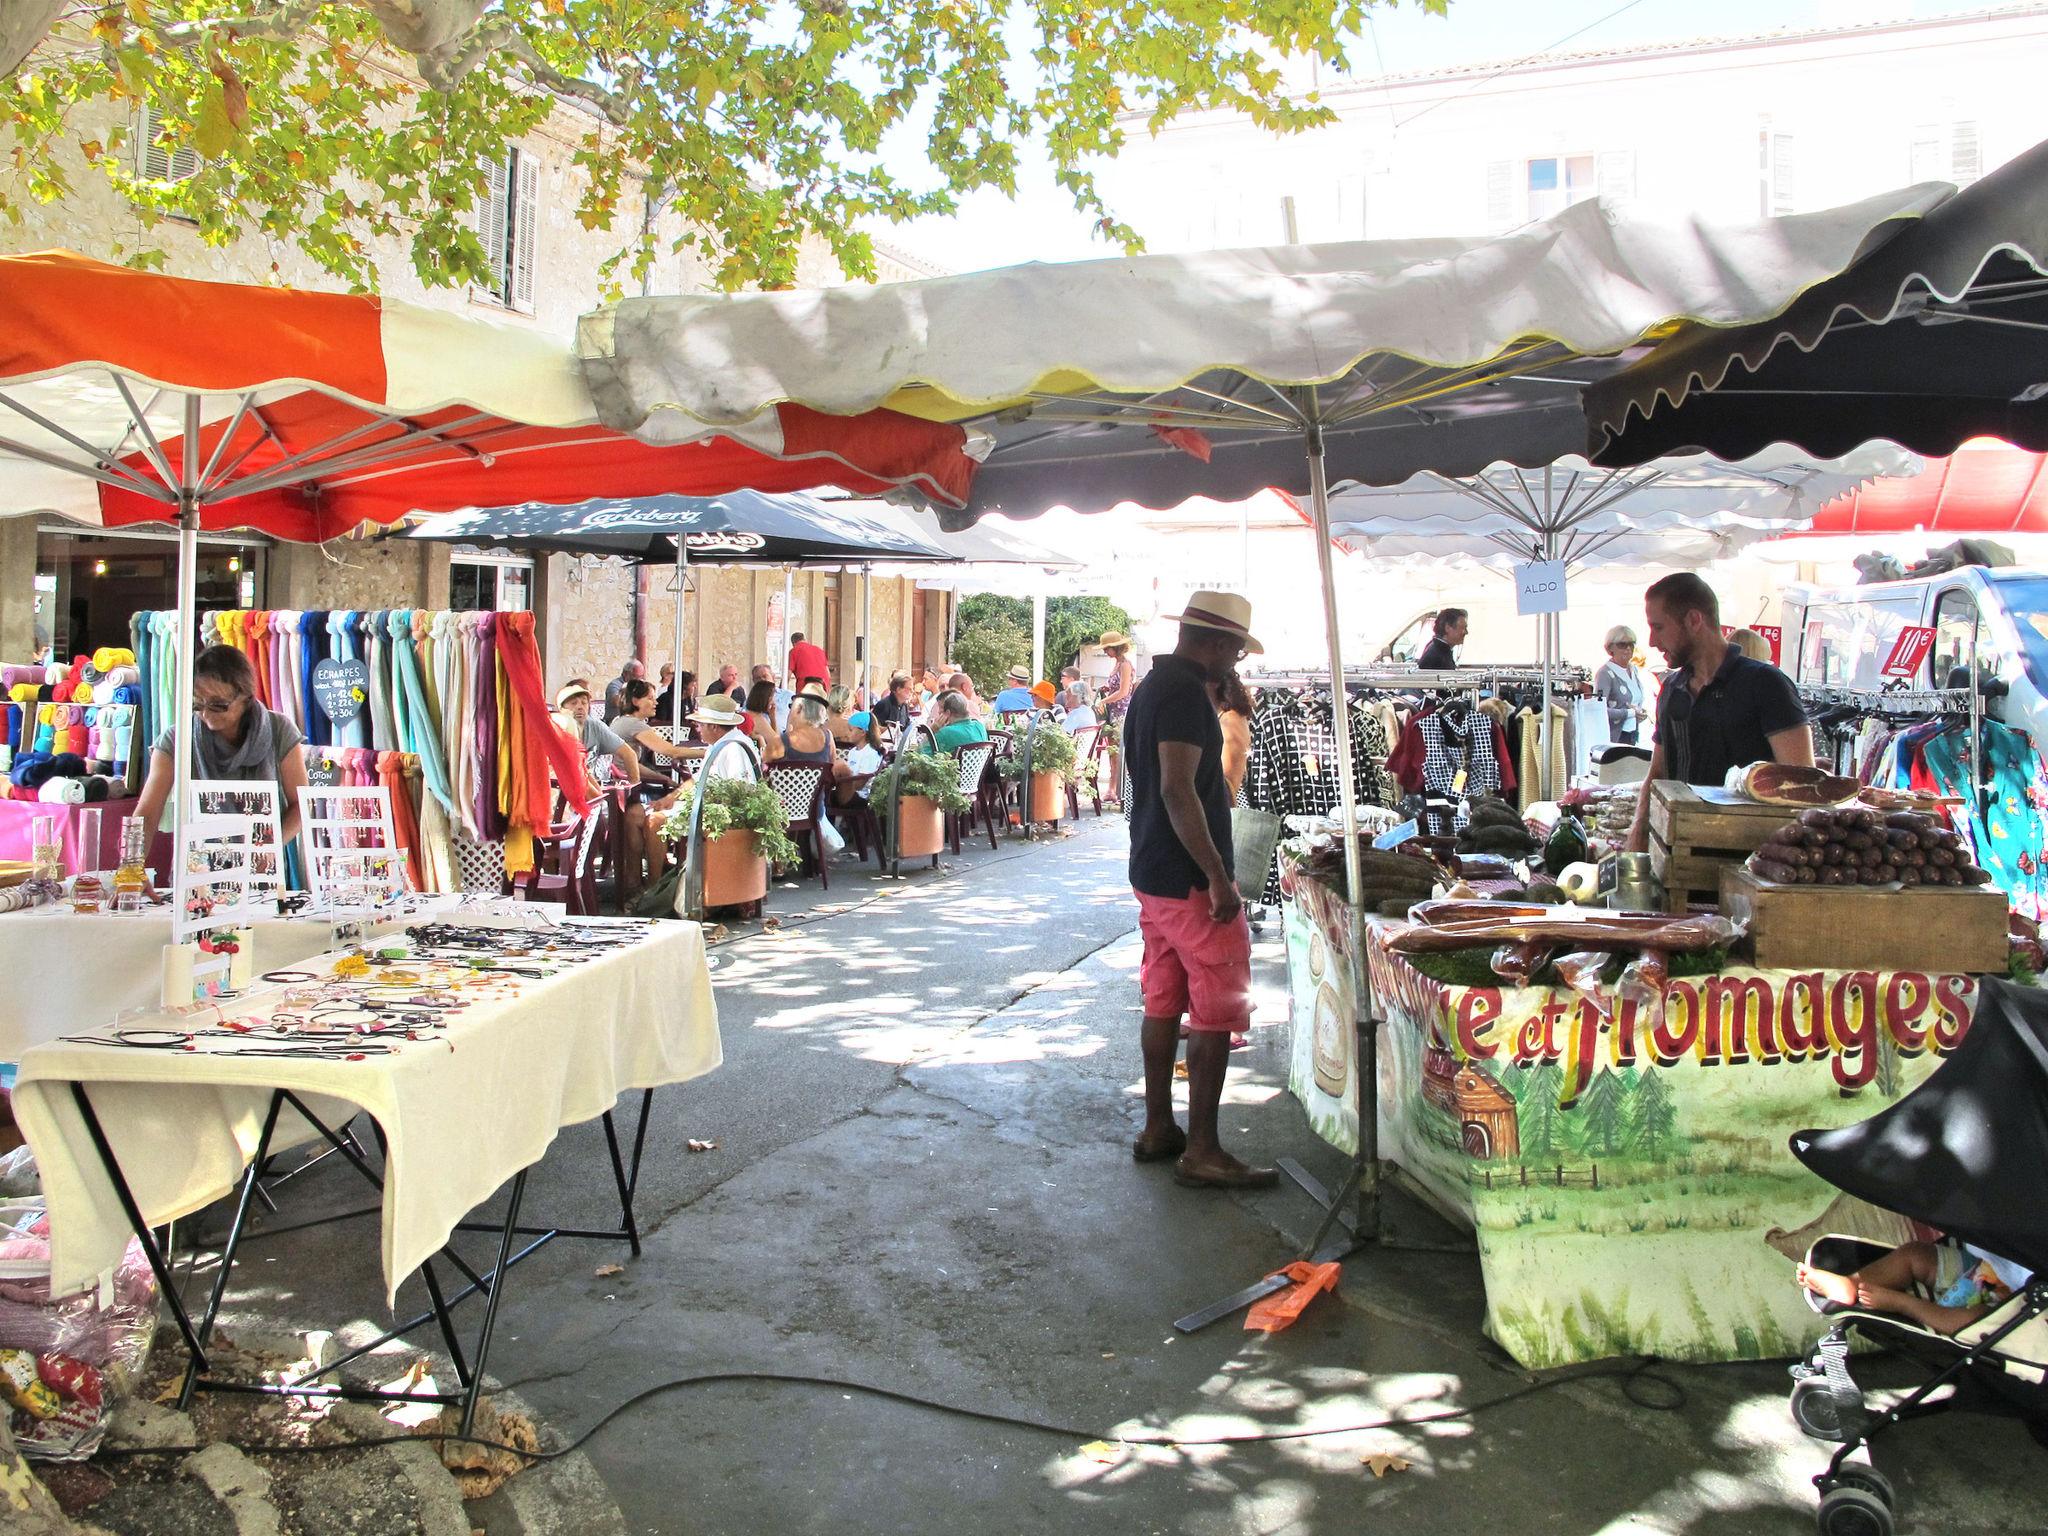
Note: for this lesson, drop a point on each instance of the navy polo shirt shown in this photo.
(1729, 724)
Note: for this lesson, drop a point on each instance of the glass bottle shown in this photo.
(131, 879)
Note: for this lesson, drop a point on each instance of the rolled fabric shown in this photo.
(96, 787)
(46, 693)
(67, 765)
(115, 678)
(61, 791)
(108, 657)
(29, 769)
(13, 675)
(23, 692)
(54, 672)
(82, 694)
(128, 693)
(62, 692)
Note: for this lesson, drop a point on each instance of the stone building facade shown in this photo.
(75, 587)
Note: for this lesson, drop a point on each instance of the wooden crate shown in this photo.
(1697, 832)
(1943, 928)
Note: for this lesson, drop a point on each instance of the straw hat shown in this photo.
(1112, 638)
(1021, 676)
(570, 691)
(812, 691)
(1223, 611)
(719, 709)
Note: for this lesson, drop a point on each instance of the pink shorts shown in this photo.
(1195, 965)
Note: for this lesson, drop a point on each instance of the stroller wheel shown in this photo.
(1850, 1511)
(1815, 1410)
(1852, 1474)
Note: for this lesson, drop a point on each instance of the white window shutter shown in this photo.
(1501, 212)
(1965, 154)
(1784, 194)
(490, 224)
(1926, 155)
(1615, 176)
(525, 230)
(152, 161)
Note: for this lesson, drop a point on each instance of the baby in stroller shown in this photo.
(1964, 1153)
(1941, 1287)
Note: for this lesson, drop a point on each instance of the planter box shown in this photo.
(734, 871)
(922, 829)
(1048, 797)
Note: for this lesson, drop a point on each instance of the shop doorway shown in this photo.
(88, 584)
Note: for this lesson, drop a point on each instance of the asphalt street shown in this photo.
(921, 1182)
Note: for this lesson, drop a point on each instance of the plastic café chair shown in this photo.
(1084, 749)
(801, 789)
(977, 766)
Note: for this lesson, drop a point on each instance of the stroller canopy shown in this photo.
(1966, 1151)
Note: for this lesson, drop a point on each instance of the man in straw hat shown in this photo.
(1198, 947)
(1015, 698)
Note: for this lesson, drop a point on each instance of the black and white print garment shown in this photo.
(1293, 766)
(1454, 742)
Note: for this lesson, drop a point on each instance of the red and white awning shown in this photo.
(309, 413)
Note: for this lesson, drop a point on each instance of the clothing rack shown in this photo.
(1413, 679)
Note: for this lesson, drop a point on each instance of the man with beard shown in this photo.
(1198, 947)
(1718, 709)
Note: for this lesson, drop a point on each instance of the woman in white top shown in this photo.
(1620, 686)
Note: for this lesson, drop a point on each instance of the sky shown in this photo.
(1041, 224)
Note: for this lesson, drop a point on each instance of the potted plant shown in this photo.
(745, 831)
(924, 788)
(1052, 766)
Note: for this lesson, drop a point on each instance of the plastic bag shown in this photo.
(1643, 982)
(1582, 971)
(64, 1360)
(1517, 963)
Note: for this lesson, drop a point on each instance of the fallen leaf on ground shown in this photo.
(1103, 1451)
(1382, 1464)
(606, 1271)
(1180, 1069)
(481, 1470)
(702, 1146)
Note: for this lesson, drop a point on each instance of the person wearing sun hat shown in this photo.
(718, 715)
(1015, 699)
(1198, 947)
(1115, 700)
(1043, 693)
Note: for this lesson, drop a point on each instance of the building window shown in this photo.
(156, 161)
(1555, 183)
(1776, 189)
(507, 221)
(498, 582)
(1946, 152)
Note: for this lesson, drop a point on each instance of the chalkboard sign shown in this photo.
(322, 771)
(341, 687)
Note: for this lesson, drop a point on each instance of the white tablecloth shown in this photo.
(461, 1113)
(67, 972)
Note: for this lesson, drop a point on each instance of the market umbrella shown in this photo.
(136, 397)
(1932, 340)
(1153, 378)
(741, 527)
(1675, 513)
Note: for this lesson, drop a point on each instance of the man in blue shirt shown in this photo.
(1016, 698)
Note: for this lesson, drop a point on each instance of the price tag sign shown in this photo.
(1774, 635)
(1539, 587)
(1393, 837)
(341, 687)
(1909, 651)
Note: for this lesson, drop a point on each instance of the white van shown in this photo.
(1990, 622)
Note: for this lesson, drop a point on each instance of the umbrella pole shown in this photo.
(682, 588)
(867, 638)
(1037, 636)
(188, 627)
(1340, 714)
(788, 623)
(1548, 636)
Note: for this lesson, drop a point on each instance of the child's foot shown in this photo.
(1829, 1286)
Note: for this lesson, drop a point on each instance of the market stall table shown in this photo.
(1627, 1175)
(133, 1131)
(89, 968)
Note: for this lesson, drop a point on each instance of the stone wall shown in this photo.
(358, 573)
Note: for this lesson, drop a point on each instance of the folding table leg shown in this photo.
(611, 1141)
(250, 1184)
(133, 1212)
(491, 1299)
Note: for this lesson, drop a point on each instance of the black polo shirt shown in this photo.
(1731, 722)
(1173, 704)
(1436, 656)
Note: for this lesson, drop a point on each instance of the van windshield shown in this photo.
(2026, 599)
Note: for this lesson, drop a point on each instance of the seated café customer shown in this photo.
(953, 722)
(1043, 694)
(761, 718)
(603, 747)
(718, 717)
(839, 723)
(962, 684)
(1077, 714)
(232, 736)
(863, 760)
(658, 755)
(1015, 699)
(895, 707)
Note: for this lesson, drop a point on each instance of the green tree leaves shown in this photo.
(752, 125)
